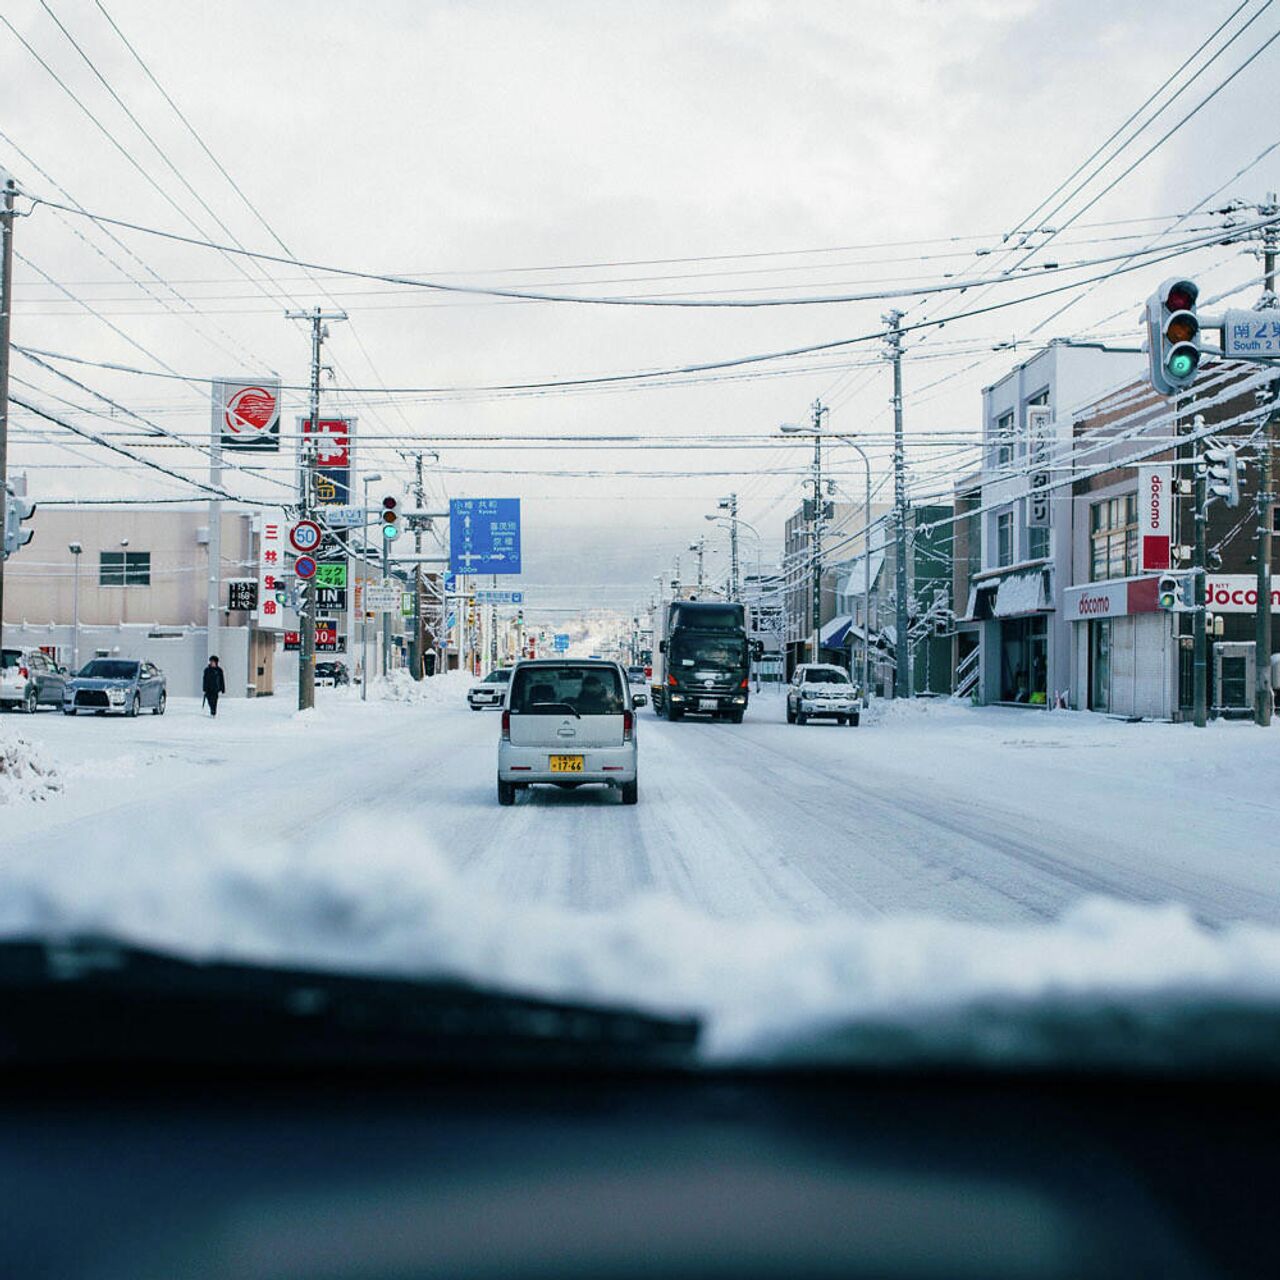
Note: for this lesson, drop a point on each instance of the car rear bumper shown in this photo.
(613, 765)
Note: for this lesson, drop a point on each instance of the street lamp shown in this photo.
(791, 428)
(364, 612)
(75, 548)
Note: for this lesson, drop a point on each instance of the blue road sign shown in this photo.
(561, 642)
(453, 621)
(499, 597)
(484, 535)
(304, 567)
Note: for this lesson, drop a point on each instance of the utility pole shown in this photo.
(1200, 641)
(902, 646)
(816, 527)
(6, 311)
(1263, 698)
(735, 584)
(307, 619)
(419, 497)
(386, 613)
(700, 548)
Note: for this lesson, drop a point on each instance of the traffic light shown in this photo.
(390, 517)
(1171, 593)
(16, 510)
(1173, 336)
(1224, 474)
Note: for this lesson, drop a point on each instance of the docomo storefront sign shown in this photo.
(1111, 599)
(1237, 593)
(1155, 517)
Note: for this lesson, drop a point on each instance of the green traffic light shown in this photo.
(1181, 364)
(390, 531)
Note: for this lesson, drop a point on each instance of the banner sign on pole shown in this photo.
(331, 473)
(1155, 517)
(331, 573)
(484, 535)
(246, 413)
(271, 556)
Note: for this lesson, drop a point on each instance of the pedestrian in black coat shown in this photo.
(215, 684)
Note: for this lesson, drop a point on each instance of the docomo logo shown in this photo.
(1091, 606)
(1237, 593)
(1156, 499)
(251, 411)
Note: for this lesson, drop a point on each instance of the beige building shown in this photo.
(139, 587)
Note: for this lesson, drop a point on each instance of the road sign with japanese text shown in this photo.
(484, 535)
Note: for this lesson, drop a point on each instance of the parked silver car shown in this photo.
(125, 685)
(568, 723)
(30, 679)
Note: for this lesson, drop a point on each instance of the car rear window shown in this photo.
(588, 690)
(109, 669)
(10, 658)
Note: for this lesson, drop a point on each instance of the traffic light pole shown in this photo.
(816, 655)
(1264, 698)
(419, 495)
(902, 642)
(386, 616)
(6, 310)
(1200, 640)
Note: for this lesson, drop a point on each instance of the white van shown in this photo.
(569, 723)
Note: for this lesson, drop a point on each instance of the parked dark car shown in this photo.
(30, 679)
(126, 685)
(332, 673)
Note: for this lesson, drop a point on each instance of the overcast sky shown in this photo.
(470, 142)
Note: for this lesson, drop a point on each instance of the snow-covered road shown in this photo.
(985, 815)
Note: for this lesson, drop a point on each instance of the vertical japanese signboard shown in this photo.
(246, 413)
(272, 540)
(1155, 517)
(1039, 419)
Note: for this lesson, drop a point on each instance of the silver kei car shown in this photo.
(570, 723)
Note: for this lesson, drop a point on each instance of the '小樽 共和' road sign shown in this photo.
(484, 535)
(305, 535)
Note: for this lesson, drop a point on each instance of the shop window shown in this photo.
(1113, 538)
(1004, 539)
(124, 569)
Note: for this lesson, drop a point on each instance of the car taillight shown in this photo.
(628, 725)
(743, 685)
(506, 725)
(23, 672)
(671, 680)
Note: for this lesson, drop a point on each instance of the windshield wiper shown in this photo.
(567, 706)
(88, 999)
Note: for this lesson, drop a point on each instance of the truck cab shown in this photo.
(703, 660)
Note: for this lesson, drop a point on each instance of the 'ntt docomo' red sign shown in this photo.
(1237, 593)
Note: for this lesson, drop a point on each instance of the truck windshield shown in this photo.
(711, 652)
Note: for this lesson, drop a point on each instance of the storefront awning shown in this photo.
(836, 632)
(1020, 593)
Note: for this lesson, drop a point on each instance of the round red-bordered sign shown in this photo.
(304, 567)
(305, 535)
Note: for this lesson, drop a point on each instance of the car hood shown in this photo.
(100, 682)
(843, 690)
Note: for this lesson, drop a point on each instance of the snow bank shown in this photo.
(25, 772)
(1107, 983)
(400, 686)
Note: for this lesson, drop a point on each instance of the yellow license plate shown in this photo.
(566, 764)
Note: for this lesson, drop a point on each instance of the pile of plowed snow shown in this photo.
(25, 772)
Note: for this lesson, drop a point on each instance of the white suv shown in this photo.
(820, 690)
(568, 722)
